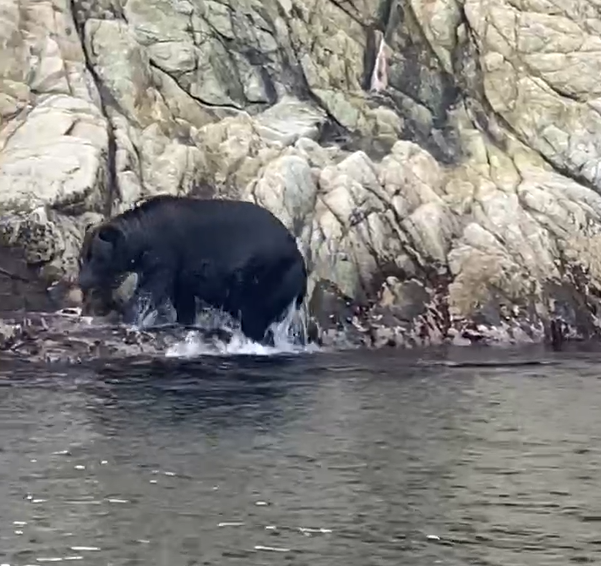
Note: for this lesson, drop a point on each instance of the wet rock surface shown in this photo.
(66, 337)
(438, 162)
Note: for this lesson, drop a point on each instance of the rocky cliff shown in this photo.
(438, 160)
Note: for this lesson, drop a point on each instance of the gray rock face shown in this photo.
(437, 161)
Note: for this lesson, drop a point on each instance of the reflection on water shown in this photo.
(323, 459)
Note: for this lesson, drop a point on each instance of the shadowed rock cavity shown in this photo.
(437, 161)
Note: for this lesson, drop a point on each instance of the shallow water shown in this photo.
(451, 457)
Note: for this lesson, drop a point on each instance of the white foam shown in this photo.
(148, 316)
(289, 337)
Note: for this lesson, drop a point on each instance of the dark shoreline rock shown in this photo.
(405, 313)
(67, 337)
(21, 287)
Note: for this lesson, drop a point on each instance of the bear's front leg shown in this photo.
(151, 298)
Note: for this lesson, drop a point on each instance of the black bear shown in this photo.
(231, 255)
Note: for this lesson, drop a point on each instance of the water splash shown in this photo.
(146, 315)
(289, 337)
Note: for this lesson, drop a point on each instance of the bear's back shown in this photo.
(217, 227)
(214, 213)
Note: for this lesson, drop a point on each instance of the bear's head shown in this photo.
(103, 258)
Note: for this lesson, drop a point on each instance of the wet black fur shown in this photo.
(232, 255)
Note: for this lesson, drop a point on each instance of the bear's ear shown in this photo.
(109, 234)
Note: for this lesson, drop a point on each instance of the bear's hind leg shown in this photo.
(269, 300)
(254, 325)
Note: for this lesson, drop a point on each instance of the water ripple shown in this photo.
(450, 457)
